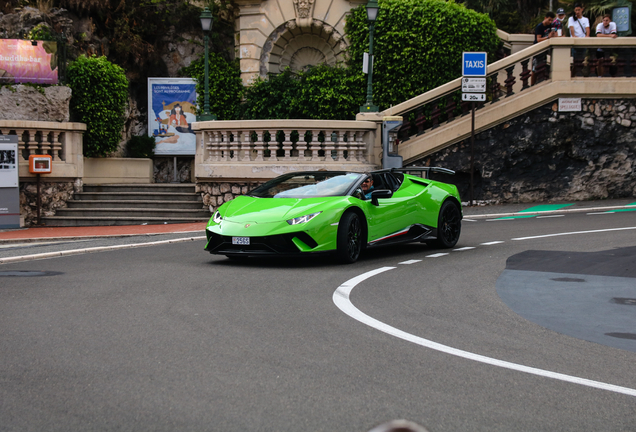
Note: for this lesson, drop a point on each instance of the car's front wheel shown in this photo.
(349, 238)
(449, 225)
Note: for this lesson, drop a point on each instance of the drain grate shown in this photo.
(624, 301)
(27, 273)
(622, 335)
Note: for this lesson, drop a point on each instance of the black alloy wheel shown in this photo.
(349, 238)
(449, 225)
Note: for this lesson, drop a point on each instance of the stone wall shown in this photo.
(53, 195)
(22, 102)
(215, 194)
(164, 169)
(546, 155)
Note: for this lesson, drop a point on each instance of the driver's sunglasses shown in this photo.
(367, 181)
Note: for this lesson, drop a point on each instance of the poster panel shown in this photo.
(25, 61)
(9, 191)
(171, 111)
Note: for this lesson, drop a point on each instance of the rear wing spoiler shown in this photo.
(423, 172)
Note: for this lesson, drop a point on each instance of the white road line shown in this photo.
(463, 249)
(437, 255)
(410, 262)
(600, 213)
(503, 218)
(469, 220)
(94, 249)
(575, 233)
(342, 301)
(545, 217)
(491, 243)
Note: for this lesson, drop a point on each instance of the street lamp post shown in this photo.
(372, 14)
(206, 24)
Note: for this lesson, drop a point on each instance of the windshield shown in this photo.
(307, 185)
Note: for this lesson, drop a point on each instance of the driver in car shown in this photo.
(367, 187)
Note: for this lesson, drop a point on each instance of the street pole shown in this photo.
(206, 25)
(472, 153)
(372, 15)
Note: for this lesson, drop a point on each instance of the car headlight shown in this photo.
(302, 219)
(217, 217)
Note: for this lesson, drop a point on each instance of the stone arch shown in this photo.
(300, 47)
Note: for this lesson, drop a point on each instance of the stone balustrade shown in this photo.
(61, 140)
(515, 85)
(263, 149)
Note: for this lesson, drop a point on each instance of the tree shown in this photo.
(418, 45)
(100, 93)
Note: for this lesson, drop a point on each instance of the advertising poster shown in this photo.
(171, 112)
(9, 191)
(21, 61)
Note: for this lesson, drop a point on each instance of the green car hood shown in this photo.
(266, 210)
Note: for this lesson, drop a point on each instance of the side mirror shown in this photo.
(380, 193)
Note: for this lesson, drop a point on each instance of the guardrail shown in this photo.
(566, 67)
(62, 141)
(261, 149)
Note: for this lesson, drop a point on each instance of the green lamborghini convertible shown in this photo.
(337, 212)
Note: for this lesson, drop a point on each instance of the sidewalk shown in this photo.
(50, 233)
(479, 212)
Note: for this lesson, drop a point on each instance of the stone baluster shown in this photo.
(420, 120)
(314, 145)
(259, 145)
(361, 147)
(56, 145)
(495, 87)
(525, 73)
(510, 80)
(329, 147)
(301, 145)
(214, 145)
(235, 146)
(342, 145)
(32, 144)
(225, 146)
(287, 144)
(45, 143)
(450, 108)
(618, 68)
(541, 70)
(405, 130)
(435, 114)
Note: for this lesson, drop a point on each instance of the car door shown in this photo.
(394, 214)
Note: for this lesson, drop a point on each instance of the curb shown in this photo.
(9, 260)
(97, 237)
(548, 212)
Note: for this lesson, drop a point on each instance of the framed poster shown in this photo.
(25, 61)
(171, 110)
(9, 191)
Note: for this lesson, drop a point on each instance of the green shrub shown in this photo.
(417, 45)
(142, 146)
(322, 92)
(100, 93)
(226, 86)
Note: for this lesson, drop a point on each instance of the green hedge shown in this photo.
(225, 84)
(322, 92)
(417, 45)
(100, 93)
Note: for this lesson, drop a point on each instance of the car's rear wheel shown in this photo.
(449, 225)
(349, 238)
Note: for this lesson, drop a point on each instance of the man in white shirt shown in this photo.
(579, 25)
(606, 29)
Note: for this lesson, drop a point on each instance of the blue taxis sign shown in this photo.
(474, 63)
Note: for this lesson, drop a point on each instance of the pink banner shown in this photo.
(21, 61)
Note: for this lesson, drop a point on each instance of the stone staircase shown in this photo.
(131, 205)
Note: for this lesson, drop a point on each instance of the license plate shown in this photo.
(240, 240)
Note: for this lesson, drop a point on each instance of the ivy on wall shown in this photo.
(100, 93)
(417, 45)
